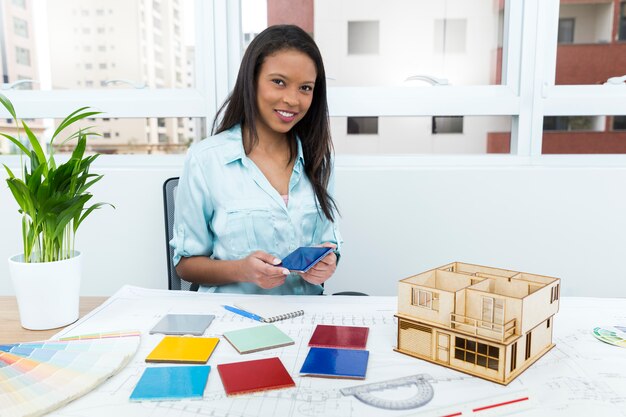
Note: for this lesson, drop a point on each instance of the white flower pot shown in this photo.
(47, 292)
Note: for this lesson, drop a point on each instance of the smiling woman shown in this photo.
(261, 186)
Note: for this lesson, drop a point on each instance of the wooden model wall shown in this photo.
(489, 322)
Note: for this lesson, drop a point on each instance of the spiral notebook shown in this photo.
(270, 313)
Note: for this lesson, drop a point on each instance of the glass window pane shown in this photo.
(101, 44)
(362, 125)
(584, 135)
(481, 360)
(587, 51)
(471, 345)
(382, 43)
(414, 135)
(459, 342)
(118, 135)
(459, 354)
(447, 124)
(566, 30)
(494, 352)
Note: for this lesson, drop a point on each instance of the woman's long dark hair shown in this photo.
(313, 130)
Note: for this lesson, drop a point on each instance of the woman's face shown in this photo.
(284, 90)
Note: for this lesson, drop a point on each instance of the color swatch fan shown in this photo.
(614, 335)
(38, 377)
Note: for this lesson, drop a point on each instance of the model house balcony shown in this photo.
(471, 326)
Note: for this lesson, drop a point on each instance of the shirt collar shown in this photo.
(237, 152)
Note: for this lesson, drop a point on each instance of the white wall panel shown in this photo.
(561, 221)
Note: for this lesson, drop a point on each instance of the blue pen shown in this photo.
(243, 313)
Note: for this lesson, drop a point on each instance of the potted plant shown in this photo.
(52, 200)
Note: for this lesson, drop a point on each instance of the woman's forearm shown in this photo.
(207, 271)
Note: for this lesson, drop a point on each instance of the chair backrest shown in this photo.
(169, 199)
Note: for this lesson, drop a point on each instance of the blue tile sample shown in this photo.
(171, 383)
(339, 363)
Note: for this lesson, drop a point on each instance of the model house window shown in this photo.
(22, 55)
(528, 345)
(548, 324)
(426, 299)
(363, 38)
(513, 356)
(477, 353)
(362, 125)
(554, 293)
(20, 27)
(450, 35)
(566, 30)
(622, 22)
(493, 311)
(447, 124)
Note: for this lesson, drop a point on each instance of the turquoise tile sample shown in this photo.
(171, 383)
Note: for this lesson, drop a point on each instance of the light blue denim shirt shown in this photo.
(226, 209)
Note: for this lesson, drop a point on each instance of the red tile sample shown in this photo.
(253, 376)
(346, 337)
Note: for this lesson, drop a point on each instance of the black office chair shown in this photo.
(175, 282)
(169, 199)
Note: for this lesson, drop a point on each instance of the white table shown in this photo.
(581, 376)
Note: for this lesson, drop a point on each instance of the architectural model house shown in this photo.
(488, 322)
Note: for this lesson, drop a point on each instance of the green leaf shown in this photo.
(84, 187)
(34, 143)
(88, 211)
(79, 150)
(9, 171)
(22, 195)
(17, 143)
(73, 118)
(8, 105)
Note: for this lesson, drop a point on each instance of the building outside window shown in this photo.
(363, 37)
(619, 122)
(22, 56)
(566, 30)
(362, 125)
(20, 27)
(447, 124)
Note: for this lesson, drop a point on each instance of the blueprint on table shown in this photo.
(580, 376)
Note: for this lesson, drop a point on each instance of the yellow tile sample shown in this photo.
(183, 349)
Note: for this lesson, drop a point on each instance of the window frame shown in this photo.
(527, 93)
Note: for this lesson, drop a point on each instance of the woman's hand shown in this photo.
(258, 268)
(324, 269)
